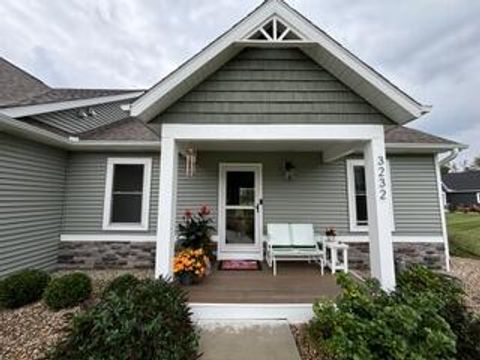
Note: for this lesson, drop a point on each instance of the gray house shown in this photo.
(274, 109)
(462, 188)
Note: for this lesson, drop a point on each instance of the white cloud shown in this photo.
(429, 48)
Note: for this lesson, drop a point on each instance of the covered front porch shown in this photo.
(295, 283)
(328, 143)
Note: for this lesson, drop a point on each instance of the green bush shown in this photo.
(151, 321)
(67, 291)
(121, 284)
(367, 323)
(449, 295)
(23, 288)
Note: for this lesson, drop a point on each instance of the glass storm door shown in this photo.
(240, 211)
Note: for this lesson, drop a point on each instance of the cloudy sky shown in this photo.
(430, 48)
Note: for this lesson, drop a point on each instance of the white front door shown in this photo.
(240, 212)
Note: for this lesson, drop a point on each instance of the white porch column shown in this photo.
(166, 208)
(379, 213)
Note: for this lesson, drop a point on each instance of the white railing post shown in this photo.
(379, 212)
(166, 208)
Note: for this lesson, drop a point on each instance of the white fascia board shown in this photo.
(28, 110)
(22, 129)
(310, 33)
(115, 145)
(413, 239)
(416, 148)
(238, 32)
(102, 237)
(313, 33)
(220, 132)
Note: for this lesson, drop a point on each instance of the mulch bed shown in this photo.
(304, 344)
(468, 270)
(28, 333)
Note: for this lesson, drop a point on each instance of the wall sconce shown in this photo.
(289, 169)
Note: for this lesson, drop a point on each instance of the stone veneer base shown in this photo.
(104, 255)
(431, 255)
(135, 255)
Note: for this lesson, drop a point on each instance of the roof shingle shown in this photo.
(467, 180)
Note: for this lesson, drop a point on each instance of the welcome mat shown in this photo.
(233, 265)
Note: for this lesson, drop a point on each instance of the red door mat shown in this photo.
(230, 265)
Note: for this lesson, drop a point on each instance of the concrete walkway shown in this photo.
(247, 339)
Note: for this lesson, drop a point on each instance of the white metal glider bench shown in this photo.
(292, 242)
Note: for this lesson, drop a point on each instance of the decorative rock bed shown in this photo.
(29, 332)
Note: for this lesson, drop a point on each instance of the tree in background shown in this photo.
(476, 162)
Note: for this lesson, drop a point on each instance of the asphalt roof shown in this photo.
(19, 88)
(403, 134)
(467, 180)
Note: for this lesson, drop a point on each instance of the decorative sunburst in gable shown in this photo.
(274, 29)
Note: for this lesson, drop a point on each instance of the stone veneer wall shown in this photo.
(431, 255)
(103, 255)
(134, 255)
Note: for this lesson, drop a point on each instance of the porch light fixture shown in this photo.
(190, 161)
(289, 169)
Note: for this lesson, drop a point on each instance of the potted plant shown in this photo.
(190, 266)
(196, 230)
(330, 233)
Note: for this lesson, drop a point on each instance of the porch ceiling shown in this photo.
(273, 145)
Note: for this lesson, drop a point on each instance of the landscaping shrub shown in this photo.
(23, 288)
(121, 284)
(150, 321)
(67, 291)
(450, 298)
(367, 323)
(424, 318)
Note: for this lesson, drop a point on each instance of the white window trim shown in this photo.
(478, 197)
(352, 209)
(107, 205)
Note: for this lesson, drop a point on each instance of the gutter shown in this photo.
(72, 143)
(28, 110)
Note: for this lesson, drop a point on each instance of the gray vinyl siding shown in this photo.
(32, 181)
(271, 86)
(318, 193)
(83, 209)
(70, 122)
(415, 195)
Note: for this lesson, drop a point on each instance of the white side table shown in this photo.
(331, 258)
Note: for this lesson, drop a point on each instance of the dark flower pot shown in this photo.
(188, 279)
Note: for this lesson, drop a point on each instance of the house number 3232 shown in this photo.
(382, 181)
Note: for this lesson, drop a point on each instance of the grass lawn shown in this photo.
(464, 234)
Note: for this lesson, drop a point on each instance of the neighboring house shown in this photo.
(287, 126)
(462, 188)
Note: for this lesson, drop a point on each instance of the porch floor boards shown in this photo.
(294, 283)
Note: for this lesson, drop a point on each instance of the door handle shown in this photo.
(260, 202)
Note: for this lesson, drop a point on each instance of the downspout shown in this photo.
(452, 154)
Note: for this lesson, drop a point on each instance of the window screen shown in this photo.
(127, 192)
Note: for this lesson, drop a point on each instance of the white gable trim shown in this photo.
(27, 110)
(235, 38)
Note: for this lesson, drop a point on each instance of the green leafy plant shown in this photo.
(368, 323)
(195, 231)
(23, 287)
(121, 284)
(67, 291)
(150, 321)
(449, 296)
